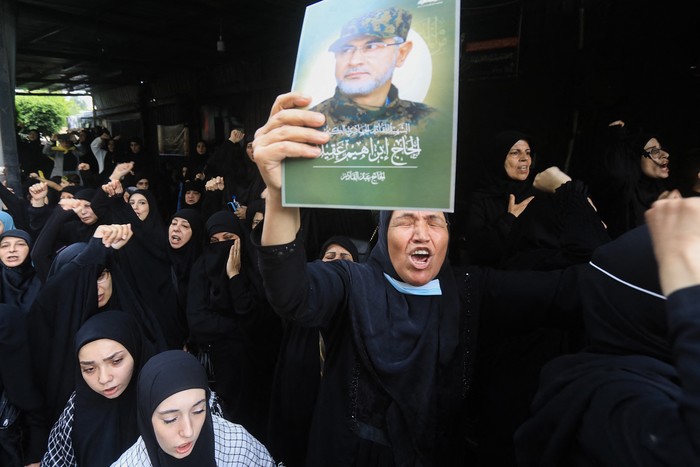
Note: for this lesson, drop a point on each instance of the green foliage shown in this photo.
(44, 113)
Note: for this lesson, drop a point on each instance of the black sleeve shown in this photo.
(487, 233)
(43, 250)
(206, 325)
(16, 207)
(651, 417)
(308, 293)
(38, 218)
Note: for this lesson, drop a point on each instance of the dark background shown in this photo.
(555, 69)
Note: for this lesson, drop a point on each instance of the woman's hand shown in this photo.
(550, 179)
(39, 191)
(289, 132)
(113, 188)
(121, 170)
(115, 235)
(233, 265)
(517, 208)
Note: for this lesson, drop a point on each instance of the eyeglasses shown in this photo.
(656, 153)
(103, 277)
(368, 49)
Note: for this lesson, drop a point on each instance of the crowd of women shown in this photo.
(381, 357)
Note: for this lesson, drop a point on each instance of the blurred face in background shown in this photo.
(192, 197)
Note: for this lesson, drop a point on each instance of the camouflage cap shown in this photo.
(389, 22)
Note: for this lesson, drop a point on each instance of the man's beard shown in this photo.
(362, 88)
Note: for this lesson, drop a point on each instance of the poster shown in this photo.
(385, 74)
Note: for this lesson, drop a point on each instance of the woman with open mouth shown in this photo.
(185, 238)
(502, 194)
(632, 173)
(99, 420)
(176, 423)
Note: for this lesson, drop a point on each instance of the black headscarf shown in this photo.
(85, 194)
(20, 285)
(72, 189)
(254, 207)
(216, 256)
(104, 428)
(153, 222)
(495, 179)
(624, 313)
(184, 257)
(193, 185)
(164, 375)
(146, 263)
(343, 241)
(403, 340)
(59, 311)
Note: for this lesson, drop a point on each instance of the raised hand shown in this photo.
(115, 235)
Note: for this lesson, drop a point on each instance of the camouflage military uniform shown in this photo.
(341, 111)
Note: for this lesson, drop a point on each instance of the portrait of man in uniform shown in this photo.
(384, 75)
(369, 49)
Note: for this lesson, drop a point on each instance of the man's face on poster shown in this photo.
(366, 64)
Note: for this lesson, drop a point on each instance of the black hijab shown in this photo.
(216, 256)
(153, 222)
(59, 311)
(403, 340)
(104, 428)
(20, 285)
(166, 374)
(496, 181)
(146, 263)
(254, 207)
(343, 241)
(625, 317)
(193, 185)
(184, 257)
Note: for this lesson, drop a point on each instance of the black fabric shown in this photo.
(343, 241)
(555, 231)
(166, 374)
(104, 428)
(405, 345)
(193, 185)
(397, 349)
(183, 258)
(146, 263)
(231, 162)
(60, 230)
(17, 381)
(619, 188)
(624, 383)
(59, 311)
(488, 220)
(232, 315)
(354, 413)
(20, 285)
(295, 384)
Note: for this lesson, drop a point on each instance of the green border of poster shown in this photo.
(383, 164)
